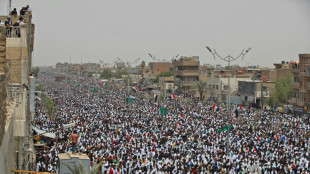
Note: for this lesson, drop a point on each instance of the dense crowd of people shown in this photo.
(193, 136)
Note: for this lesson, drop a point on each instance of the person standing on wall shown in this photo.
(74, 138)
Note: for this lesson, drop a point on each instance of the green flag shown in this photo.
(95, 90)
(128, 100)
(163, 111)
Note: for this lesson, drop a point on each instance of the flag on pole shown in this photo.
(181, 98)
(163, 111)
(181, 117)
(172, 96)
(135, 89)
(154, 98)
(128, 100)
(215, 108)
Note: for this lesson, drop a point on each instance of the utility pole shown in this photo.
(228, 59)
(130, 63)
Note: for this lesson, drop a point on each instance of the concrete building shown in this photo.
(16, 96)
(158, 67)
(120, 65)
(166, 83)
(301, 84)
(91, 67)
(62, 67)
(72, 160)
(218, 87)
(186, 73)
(254, 93)
(281, 71)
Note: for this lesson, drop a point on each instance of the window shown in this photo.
(296, 79)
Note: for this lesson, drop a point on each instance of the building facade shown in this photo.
(186, 73)
(301, 84)
(16, 96)
(255, 92)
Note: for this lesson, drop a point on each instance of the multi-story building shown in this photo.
(91, 67)
(62, 67)
(186, 73)
(255, 92)
(16, 95)
(301, 84)
(158, 67)
(218, 87)
(282, 70)
(166, 84)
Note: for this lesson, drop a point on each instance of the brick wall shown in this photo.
(2, 49)
(3, 95)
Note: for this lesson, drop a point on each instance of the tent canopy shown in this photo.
(44, 133)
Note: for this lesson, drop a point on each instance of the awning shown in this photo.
(39, 131)
(44, 133)
(49, 135)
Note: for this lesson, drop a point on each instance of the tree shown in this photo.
(282, 92)
(89, 74)
(273, 99)
(39, 88)
(200, 87)
(35, 71)
(106, 74)
(142, 67)
(126, 80)
(49, 105)
(119, 74)
(163, 74)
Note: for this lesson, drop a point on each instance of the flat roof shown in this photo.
(67, 156)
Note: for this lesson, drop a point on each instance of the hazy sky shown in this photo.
(105, 29)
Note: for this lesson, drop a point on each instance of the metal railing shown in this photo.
(188, 83)
(187, 72)
(13, 31)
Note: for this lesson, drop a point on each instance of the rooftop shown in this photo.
(67, 156)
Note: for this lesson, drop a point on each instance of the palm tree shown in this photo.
(142, 66)
(80, 169)
(200, 87)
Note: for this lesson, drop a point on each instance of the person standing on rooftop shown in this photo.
(74, 137)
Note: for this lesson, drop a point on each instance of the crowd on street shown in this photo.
(191, 137)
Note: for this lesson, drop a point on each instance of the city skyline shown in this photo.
(87, 32)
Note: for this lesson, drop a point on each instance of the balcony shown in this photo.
(308, 86)
(187, 73)
(302, 90)
(295, 85)
(13, 31)
(186, 63)
(188, 83)
(300, 103)
(295, 70)
(302, 74)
